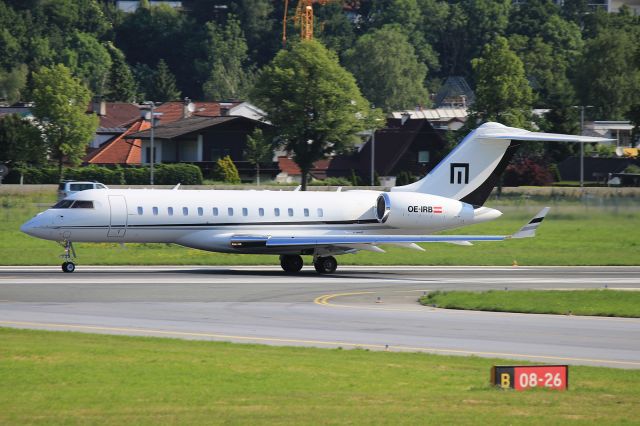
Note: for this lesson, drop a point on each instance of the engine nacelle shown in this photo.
(424, 211)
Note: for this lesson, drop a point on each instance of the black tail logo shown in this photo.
(459, 173)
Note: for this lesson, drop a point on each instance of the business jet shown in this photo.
(295, 223)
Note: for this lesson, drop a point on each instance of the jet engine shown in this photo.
(424, 211)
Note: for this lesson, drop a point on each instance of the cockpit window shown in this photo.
(64, 204)
(81, 204)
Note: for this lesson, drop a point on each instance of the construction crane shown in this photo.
(303, 19)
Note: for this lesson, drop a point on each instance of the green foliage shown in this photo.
(314, 103)
(20, 141)
(137, 175)
(12, 83)
(120, 87)
(89, 60)
(96, 173)
(172, 174)
(331, 181)
(228, 75)
(33, 175)
(503, 93)
(228, 170)
(632, 168)
(391, 82)
(609, 73)
(258, 150)
(163, 85)
(60, 105)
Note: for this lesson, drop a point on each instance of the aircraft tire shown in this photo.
(68, 267)
(326, 265)
(291, 263)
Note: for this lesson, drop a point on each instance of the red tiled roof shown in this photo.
(118, 114)
(287, 165)
(173, 111)
(120, 150)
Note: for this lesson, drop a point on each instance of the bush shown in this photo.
(527, 172)
(96, 173)
(331, 181)
(185, 174)
(32, 175)
(136, 175)
(228, 170)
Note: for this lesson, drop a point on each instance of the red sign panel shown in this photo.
(531, 376)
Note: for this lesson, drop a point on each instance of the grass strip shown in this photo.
(571, 235)
(607, 303)
(74, 378)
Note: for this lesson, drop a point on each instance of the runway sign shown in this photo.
(523, 377)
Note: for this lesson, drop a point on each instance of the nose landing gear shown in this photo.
(68, 256)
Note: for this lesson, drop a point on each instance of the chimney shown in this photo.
(186, 111)
(99, 106)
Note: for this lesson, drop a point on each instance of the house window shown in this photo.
(148, 154)
(261, 211)
(306, 212)
(140, 210)
(245, 211)
(185, 211)
(170, 211)
(215, 211)
(200, 211)
(155, 211)
(230, 211)
(290, 212)
(276, 211)
(423, 156)
(320, 213)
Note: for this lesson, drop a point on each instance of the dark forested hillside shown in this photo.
(399, 51)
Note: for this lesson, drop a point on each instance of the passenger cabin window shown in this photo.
(215, 211)
(290, 211)
(170, 211)
(276, 211)
(261, 211)
(230, 211)
(140, 211)
(320, 213)
(155, 211)
(185, 211)
(81, 204)
(200, 211)
(245, 211)
(306, 212)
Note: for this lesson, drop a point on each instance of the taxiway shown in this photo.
(365, 307)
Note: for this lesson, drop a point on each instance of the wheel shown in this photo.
(291, 263)
(326, 265)
(68, 267)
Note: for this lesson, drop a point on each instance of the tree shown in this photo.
(227, 57)
(20, 141)
(121, 87)
(89, 60)
(391, 81)
(163, 86)
(258, 150)
(12, 83)
(314, 103)
(503, 93)
(609, 74)
(228, 170)
(60, 107)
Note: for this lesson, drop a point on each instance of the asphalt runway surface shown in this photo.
(358, 307)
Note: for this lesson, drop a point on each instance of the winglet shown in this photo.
(529, 230)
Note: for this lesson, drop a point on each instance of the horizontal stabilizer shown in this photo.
(523, 135)
(529, 230)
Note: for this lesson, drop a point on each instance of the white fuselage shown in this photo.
(208, 219)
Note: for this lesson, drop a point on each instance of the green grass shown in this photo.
(573, 234)
(73, 378)
(608, 303)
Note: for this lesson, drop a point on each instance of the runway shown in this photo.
(366, 307)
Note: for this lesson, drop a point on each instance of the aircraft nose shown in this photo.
(27, 227)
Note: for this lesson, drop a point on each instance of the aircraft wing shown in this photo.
(358, 240)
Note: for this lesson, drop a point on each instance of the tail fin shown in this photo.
(473, 168)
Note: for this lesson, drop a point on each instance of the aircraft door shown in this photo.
(118, 214)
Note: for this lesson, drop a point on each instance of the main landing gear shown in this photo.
(293, 263)
(69, 253)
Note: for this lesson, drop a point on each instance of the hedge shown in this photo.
(164, 174)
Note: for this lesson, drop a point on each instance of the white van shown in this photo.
(68, 187)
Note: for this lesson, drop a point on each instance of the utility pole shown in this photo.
(153, 153)
(373, 154)
(581, 146)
